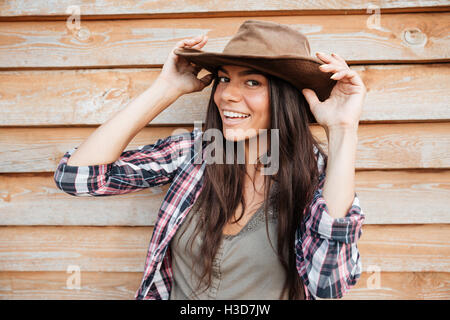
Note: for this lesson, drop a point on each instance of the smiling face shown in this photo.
(242, 97)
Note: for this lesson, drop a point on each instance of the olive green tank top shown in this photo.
(245, 266)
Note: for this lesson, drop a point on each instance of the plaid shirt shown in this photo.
(328, 259)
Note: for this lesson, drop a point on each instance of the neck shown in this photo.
(254, 150)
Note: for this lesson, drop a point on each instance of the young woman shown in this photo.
(226, 230)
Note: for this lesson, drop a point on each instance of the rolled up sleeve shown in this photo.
(347, 229)
(147, 166)
(328, 258)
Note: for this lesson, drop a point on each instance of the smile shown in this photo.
(233, 118)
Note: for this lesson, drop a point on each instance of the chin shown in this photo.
(236, 133)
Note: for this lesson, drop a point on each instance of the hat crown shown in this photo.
(275, 49)
(262, 38)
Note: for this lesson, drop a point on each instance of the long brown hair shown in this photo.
(297, 179)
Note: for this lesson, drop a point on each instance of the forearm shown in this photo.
(339, 186)
(109, 140)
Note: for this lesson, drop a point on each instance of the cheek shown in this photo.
(217, 95)
(261, 108)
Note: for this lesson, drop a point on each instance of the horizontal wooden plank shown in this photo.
(123, 285)
(404, 197)
(380, 146)
(63, 286)
(54, 142)
(386, 197)
(86, 97)
(401, 286)
(398, 248)
(90, 97)
(398, 92)
(51, 44)
(102, 249)
(34, 199)
(13, 8)
(409, 145)
(387, 248)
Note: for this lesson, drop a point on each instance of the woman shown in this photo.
(312, 224)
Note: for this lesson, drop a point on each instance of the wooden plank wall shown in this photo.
(58, 83)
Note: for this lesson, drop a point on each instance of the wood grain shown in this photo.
(401, 286)
(386, 197)
(57, 83)
(14, 8)
(419, 37)
(59, 285)
(386, 248)
(380, 146)
(90, 97)
(50, 144)
(123, 285)
(85, 97)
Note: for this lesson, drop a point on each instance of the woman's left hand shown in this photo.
(344, 106)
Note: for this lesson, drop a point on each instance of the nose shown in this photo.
(231, 92)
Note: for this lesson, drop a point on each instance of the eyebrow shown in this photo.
(244, 72)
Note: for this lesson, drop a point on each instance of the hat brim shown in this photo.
(302, 72)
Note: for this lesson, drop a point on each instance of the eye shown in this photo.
(255, 83)
(220, 78)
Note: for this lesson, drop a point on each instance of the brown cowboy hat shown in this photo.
(273, 48)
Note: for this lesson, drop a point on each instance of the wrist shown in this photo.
(342, 130)
(342, 139)
(164, 85)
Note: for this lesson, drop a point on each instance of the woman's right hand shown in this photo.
(180, 73)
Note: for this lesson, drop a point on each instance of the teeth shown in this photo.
(234, 114)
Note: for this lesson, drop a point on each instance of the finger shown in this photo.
(352, 75)
(332, 67)
(201, 43)
(310, 97)
(188, 42)
(195, 68)
(338, 57)
(332, 60)
(192, 67)
(324, 57)
(338, 75)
